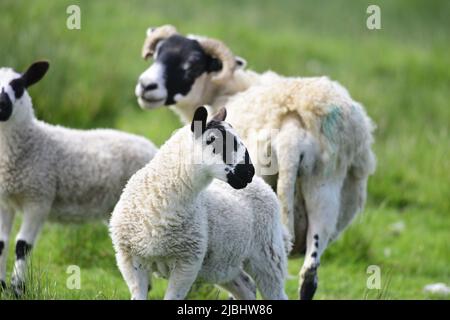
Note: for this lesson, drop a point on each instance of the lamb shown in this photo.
(310, 140)
(54, 173)
(176, 220)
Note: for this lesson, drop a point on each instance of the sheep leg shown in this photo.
(267, 268)
(241, 288)
(6, 222)
(135, 273)
(270, 281)
(322, 198)
(300, 221)
(289, 155)
(353, 197)
(34, 217)
(181, 279)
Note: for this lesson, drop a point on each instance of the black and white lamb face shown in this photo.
(183, 68)
(14, 98)
(222, 151)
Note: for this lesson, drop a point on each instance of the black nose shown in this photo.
(5, 106)
(242, 175)
(148, 87)
(245, 171)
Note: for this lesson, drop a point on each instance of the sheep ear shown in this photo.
(200, 116)
(220, 115)
(241, 63)
(35, 72)
(149, 31)
(214, 65)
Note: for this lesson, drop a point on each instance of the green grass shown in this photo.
(400, 73)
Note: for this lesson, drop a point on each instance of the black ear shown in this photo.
(214, 65)
(220, 115)
(200, 116)
(35, 72)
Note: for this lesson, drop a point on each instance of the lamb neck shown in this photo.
(183, 180)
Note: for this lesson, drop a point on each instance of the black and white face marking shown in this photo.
(5, 106)
(178, 63)
(224, 151)
(11, 89)
(13, 86)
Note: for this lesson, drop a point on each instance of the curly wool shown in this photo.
(78, 174)
(323, 107)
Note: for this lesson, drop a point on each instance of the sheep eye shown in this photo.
(211, 140)
(193, 72)
(193, 67)
(186, 66)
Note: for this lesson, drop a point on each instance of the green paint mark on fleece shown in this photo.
(330, 129)
(330, 125)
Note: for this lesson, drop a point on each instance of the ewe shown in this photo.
(50, 172)
(322, 148)
(175, 219)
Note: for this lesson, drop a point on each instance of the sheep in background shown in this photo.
(54, 173)
(175, 219)
(322, 145)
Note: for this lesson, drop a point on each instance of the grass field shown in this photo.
(401, 73)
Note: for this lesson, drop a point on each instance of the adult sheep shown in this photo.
(322, 145)
(51, 172)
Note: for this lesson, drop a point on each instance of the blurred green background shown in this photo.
(401, 73)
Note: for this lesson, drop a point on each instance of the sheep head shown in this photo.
(15, 102)
(183, 68)
(213, 47)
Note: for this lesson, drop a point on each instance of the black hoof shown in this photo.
(309, 287)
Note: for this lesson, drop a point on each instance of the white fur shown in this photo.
(317, 121)
(54, 173)
(153, 75)
(175, 220)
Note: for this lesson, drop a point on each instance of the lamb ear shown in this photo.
(241, 63)
(220, 115)
(149, 31)
(200, 116)
(35, 72)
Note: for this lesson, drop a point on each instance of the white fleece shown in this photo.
(174, 220)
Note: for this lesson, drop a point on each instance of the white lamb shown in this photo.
(309, 140)
(175, 219)
(54, 173)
